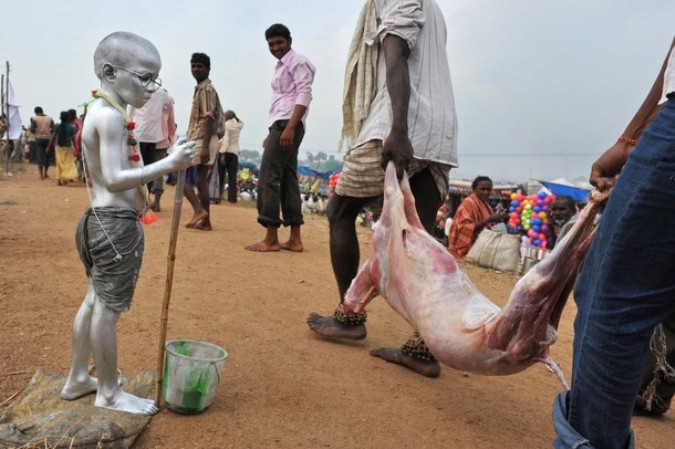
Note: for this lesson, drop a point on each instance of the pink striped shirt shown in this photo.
(291, 85)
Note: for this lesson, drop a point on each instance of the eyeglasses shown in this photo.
(146, 79)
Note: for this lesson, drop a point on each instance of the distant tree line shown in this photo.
(320, 161)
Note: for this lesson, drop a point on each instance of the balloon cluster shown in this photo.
(529, 215)
(244, 174)
(333, 180)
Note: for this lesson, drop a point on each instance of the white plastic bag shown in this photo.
(495, 250)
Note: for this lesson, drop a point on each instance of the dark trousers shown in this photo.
(32, 157)
(41, 156)
(278, 189)
(148, 155)
(228, 163)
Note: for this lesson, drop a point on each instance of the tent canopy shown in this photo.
(577, 193)
(308, 171)
(250, 165)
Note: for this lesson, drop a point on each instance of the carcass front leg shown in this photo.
(361, 291)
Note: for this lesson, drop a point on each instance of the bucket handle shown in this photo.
(213, 365)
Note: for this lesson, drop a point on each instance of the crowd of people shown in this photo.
(48, 144)
(627, 280)
(459, 227)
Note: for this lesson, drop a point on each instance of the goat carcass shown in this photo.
(461, 327)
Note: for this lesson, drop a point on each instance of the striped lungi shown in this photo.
(363, 177)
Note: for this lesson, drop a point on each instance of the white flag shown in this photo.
(12, 111)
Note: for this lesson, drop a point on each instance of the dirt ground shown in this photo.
(282, 386)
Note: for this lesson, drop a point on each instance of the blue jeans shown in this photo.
(626, 287)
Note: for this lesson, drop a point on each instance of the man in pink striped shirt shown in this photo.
(278, 189)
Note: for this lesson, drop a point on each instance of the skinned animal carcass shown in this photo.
(461, 327)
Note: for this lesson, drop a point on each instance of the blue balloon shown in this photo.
(536, 242)
(512, 209)
(515, 203)
(537, 208)
(542, 195)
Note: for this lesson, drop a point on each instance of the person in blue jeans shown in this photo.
(627, 284)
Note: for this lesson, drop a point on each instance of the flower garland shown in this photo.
(131, 140)
(134, 155)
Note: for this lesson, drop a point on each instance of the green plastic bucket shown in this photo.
(191, 374)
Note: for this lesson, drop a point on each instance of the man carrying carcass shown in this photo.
(397, 44)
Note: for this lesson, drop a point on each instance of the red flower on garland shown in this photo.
(94, 92)
(135, 157)
(131, 126)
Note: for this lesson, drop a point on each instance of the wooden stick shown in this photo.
(365, 299)
(15, 373)
(171, 259)
(9, 398)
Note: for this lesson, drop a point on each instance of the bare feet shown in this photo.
(428, 368)
(203, 226)
(196, 218)
(126, 402)
(73, 390)
(295, 246)
(330, 327)
(263, 247)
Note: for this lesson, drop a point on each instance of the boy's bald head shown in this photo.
(124, 49)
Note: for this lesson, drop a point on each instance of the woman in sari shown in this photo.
(473, 215)
(66, 169)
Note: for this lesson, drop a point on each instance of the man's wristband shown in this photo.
(627, 140)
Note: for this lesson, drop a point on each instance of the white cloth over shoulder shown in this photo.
(432, 122)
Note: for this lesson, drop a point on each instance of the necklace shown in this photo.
(134, 156)
(129, 125)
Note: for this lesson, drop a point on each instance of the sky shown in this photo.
(541, 88)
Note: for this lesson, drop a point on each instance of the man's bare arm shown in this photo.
(288, 135)
(209, 131)
(610, 163)
(397, 146)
